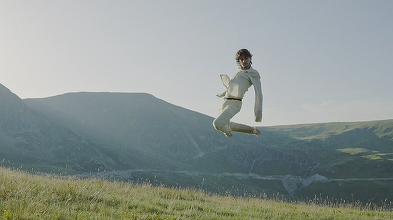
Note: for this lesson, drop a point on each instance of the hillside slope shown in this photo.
(31, 140)
(180, 147)
(165, 135)
(46, 197)
(135, 136)
(344, 150)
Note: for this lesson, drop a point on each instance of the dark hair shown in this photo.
(242, 52)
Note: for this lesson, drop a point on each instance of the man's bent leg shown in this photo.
(243, 128)
(221, 123)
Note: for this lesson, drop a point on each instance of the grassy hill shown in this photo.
(382, 129)
(342, 150)
(28, 196)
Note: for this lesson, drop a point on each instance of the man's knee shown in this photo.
(216, 124)
(223, 127)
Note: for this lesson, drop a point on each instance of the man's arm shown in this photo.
(256, 81)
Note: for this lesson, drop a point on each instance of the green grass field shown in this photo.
(32, 196)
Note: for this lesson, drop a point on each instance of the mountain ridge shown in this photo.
(137, 131)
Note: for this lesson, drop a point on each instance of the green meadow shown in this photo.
(34, 196)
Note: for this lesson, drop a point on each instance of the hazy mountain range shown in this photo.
(137, 137)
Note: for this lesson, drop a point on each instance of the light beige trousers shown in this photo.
(222, 123)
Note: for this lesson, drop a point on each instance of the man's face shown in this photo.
(245, 62)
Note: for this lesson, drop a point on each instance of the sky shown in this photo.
(319, 61)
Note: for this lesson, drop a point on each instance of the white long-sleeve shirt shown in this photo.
(239, 84)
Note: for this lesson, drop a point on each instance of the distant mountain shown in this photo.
(28, 139)
(163, 135)
(135, 136)
(167, 137)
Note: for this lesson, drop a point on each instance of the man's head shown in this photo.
(243, 59)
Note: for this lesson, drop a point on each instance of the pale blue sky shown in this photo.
(320, 61)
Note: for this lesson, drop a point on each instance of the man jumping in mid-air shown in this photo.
(236, 88)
